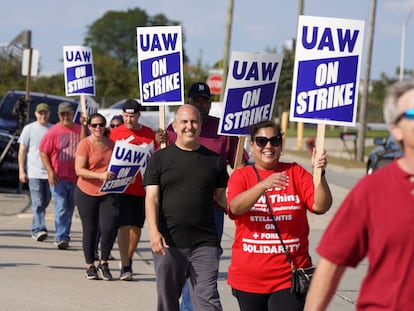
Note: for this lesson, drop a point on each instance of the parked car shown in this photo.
(150, 115)
(387, 151)
(12, 118)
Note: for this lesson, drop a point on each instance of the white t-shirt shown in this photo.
(30, 137)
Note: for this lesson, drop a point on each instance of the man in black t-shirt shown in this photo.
(182, 182)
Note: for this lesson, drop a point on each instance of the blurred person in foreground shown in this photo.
(182, 181)
(98, 211)
(57, 151)
(259, 272)
(132, 200)
(375, 221)
(32, 170)
(225, 146)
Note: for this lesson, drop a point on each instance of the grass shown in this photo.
(346, 163)
(334, 132)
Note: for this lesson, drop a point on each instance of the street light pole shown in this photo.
(403, 36)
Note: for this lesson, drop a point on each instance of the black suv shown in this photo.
(13, 109)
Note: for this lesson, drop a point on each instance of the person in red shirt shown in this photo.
(131, 202)
(259, 272)
(375, 221)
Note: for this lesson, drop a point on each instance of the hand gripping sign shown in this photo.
(326, 73)
(127, 161)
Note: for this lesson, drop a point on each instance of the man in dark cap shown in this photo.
(131, 202)
(57, 151)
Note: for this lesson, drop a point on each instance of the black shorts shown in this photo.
(131, 210)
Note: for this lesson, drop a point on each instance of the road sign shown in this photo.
(214, 82)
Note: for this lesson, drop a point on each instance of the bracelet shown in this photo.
(323, 173)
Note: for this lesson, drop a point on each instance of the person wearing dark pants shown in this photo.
(97, 210)
(182, 181)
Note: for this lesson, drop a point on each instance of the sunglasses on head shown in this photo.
(115, 125)
(94, 125)
(262, 141)
(408, 114)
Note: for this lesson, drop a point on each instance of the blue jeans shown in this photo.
(64, 196)
(40, 197)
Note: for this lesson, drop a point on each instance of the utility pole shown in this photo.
(300, 129)
(403, 36)
(226, 53)
(365, 91)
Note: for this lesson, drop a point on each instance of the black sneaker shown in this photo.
(104, 272)
(130, 265)
(62, 244)
(91, 273)
(40, 236)
(126, 274)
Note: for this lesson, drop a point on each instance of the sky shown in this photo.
(257, 26)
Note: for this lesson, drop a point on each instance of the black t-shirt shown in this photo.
(187, 181)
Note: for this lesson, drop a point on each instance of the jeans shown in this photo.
(64, 196)
(40, 197)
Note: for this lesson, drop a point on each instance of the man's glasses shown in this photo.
(115, 125)
(408, 114)
(261, 141)
(94, 125)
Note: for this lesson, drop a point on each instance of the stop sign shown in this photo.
(214, 83)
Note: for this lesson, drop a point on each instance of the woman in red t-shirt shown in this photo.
(259, 273)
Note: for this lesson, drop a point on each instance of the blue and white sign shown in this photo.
(250, 92)
(79, 75)
(326, 73)
(127, 161)
(160, 65)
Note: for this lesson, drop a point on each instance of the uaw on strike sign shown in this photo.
(250, 91)
(79, 76)
(326, 74)
(160, 65)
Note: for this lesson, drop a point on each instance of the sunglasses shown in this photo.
(115, 125)
(262, 141)
(408, 114)
(94, 125)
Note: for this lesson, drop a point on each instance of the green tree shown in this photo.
(114, 34)
(10, 75)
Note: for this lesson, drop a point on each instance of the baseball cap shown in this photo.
(65, 107)
(42, 107)
(199, 89)
(131, 106)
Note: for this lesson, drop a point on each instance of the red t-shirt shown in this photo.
(258, 262)
(376, 220)
(144, 135)
(60, 143)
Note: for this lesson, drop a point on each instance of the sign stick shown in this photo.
(162, 122)
(83, 105)
(238, 161)
(320, 142)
